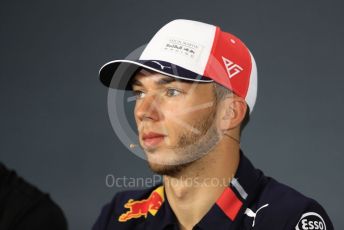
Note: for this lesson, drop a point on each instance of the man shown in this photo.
(195, 87)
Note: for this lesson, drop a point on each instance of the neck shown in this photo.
(196, 188)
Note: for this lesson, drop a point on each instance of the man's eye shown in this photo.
(138, 94)
(173, 92)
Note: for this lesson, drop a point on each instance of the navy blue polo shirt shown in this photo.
(251, 201)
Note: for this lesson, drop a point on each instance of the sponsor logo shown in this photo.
(162, 67)
(143, 207)
(311, 221)
(232, 68)
(182, 47)
(253, 214)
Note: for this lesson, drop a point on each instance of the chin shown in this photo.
(160, 156)
(165, 163)
(167, 169)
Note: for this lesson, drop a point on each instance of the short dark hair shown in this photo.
(220, 92)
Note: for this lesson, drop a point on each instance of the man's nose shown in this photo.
(148, 108)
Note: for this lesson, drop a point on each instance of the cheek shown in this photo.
(135, 114)
(174, 112)
(179, 119)
(174, 117)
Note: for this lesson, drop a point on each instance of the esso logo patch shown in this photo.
(311, 221)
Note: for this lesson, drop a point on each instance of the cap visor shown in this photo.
(117, 73)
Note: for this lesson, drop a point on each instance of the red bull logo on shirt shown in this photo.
(142, 207)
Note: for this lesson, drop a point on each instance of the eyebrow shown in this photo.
(161, 81)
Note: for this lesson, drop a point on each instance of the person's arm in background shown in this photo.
(23, 206)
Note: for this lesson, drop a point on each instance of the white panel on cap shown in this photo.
(182, 42)
(252, 87)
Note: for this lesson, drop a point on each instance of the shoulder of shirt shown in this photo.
(286, 206)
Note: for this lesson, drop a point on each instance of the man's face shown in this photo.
(175, 120)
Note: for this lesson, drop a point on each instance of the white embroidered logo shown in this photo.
(187, 50)
(311, 220)
(232, 68)
(250, 213)
(161, 66)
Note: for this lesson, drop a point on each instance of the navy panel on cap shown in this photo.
(120, 68)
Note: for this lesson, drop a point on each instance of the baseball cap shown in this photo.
(195, 51)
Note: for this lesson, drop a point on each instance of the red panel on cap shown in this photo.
(229, 63)
(229, 203)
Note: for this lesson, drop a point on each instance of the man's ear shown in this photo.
(232, 111)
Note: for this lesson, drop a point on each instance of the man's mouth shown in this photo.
(152, 139)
